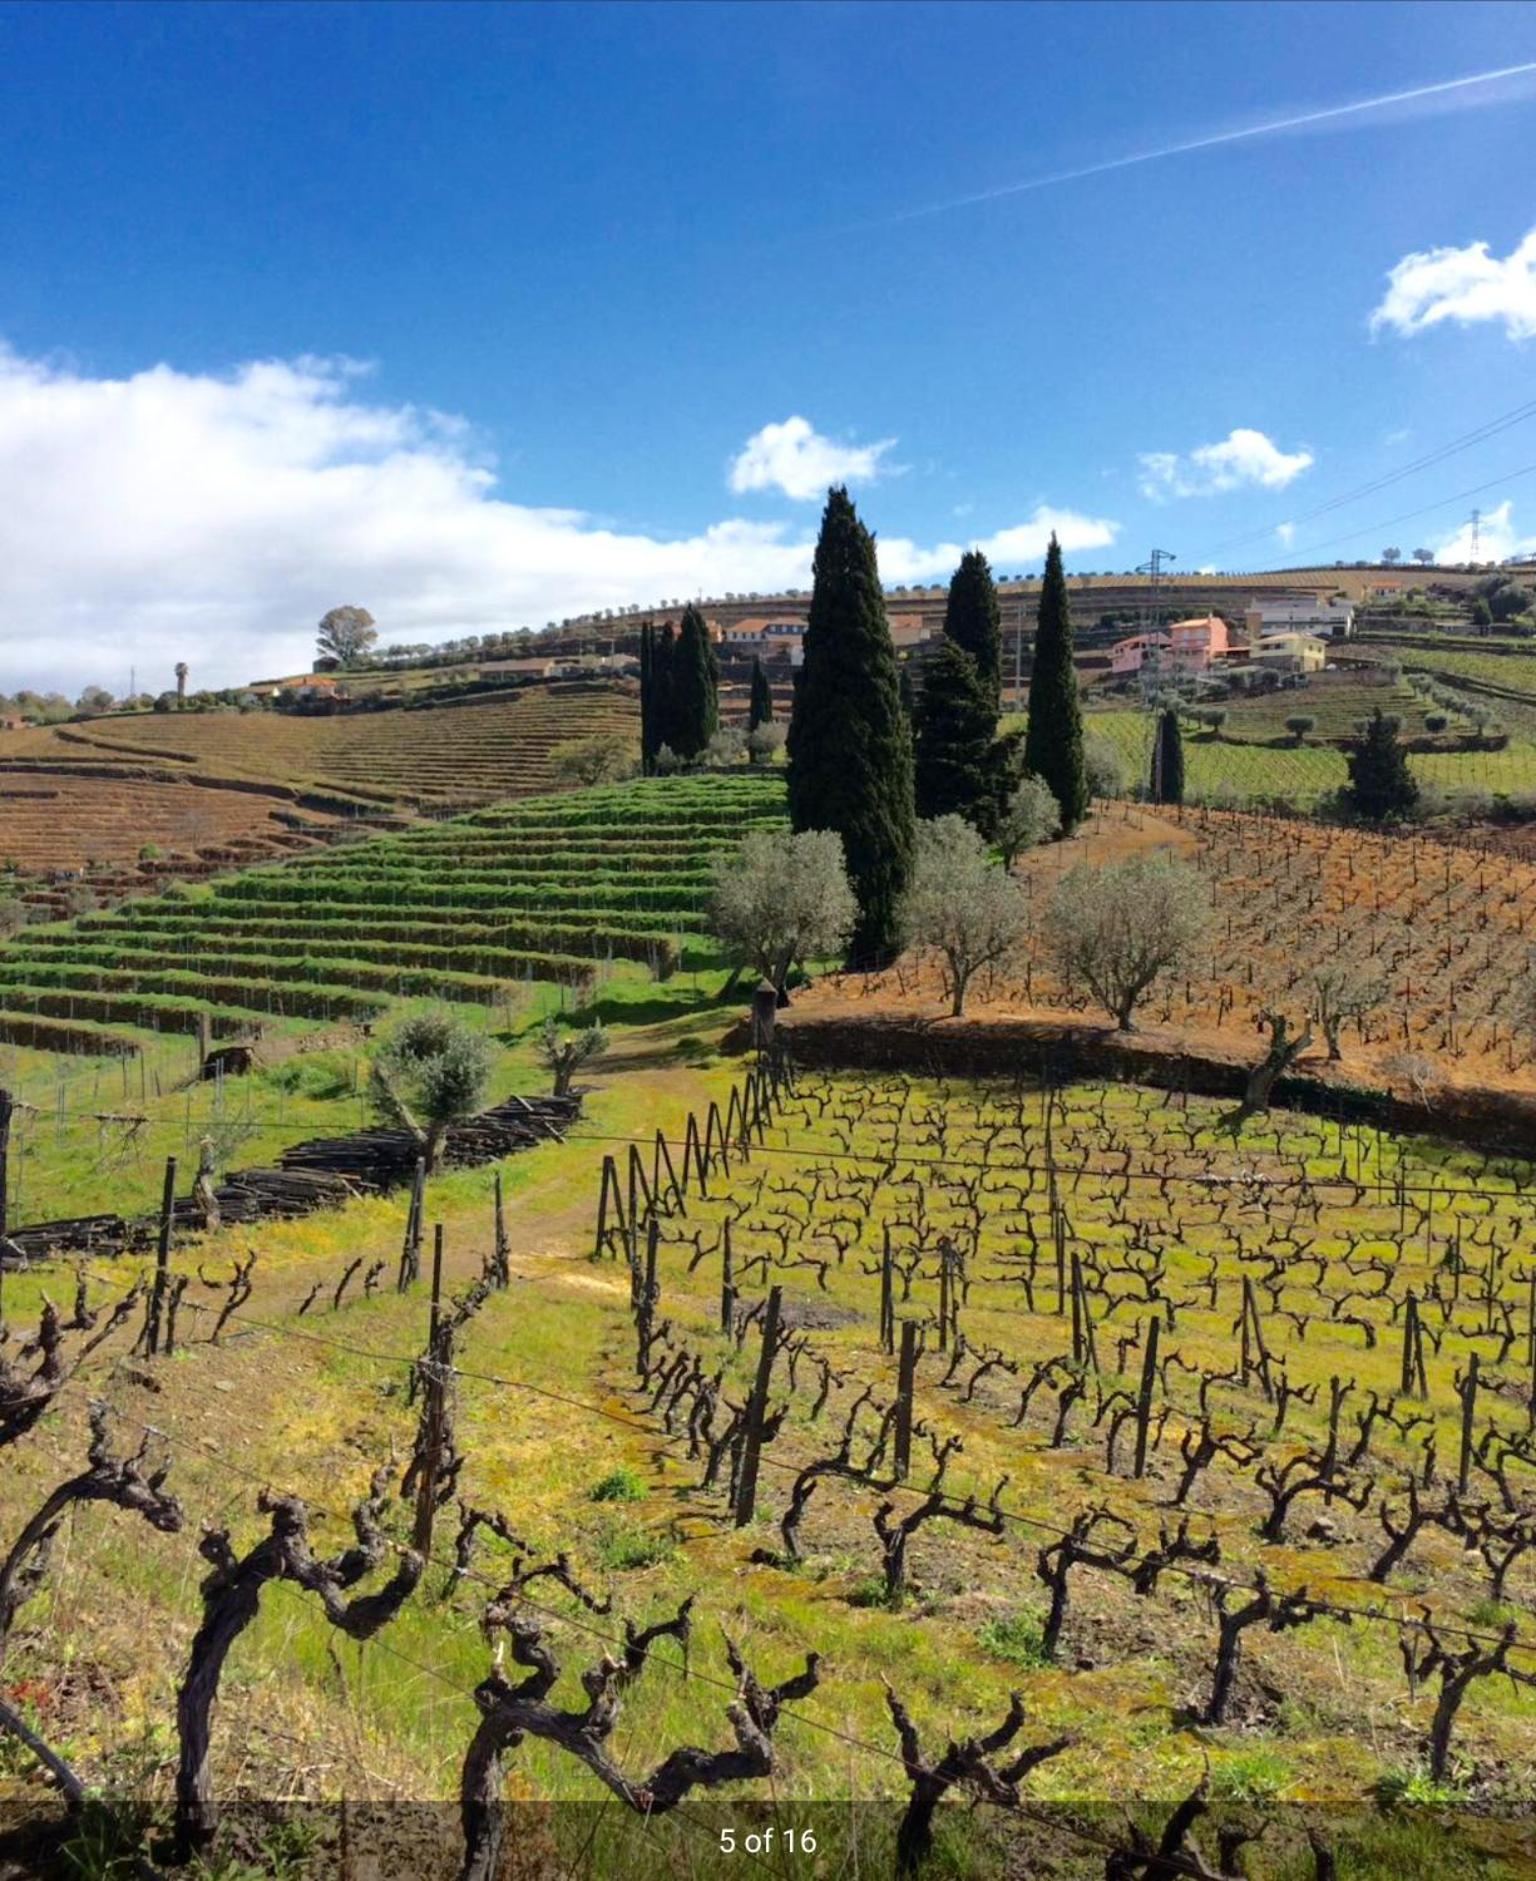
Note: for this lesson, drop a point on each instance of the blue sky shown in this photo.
(478, 316)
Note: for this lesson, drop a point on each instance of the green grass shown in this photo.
(1220, 771)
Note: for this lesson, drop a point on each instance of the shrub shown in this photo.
(13, 916)
(1103, 766)
(1017, 1638)
(1299, 724)
(624, 1484)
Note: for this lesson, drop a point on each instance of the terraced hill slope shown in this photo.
(544, 889)
(437, 757)
(205, 791)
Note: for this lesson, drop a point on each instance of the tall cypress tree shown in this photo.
(1380, 782)
(760, 706)
(647, 701)
(661, 727)
(952, 733)
(1168, 759)
(850, 747)
(695, 687)
(972, 618)
(1053, 744)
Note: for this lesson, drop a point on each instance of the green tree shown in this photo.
(961, 905)
(656, 696)
(695, 688)
(760, 705)
(850, 747)
(346, 634)
(1380, 782)
(1168, 759)
(952, 729)
(601, 758)
(973, 621)
(1053, 743)
(782, 900)
(563, 1056)
(1116, 927)
(1031, 816)
(647, 698)
(430, 1072)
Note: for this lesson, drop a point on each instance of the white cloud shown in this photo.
(1009, 550)
(795, 458)
(1286, 534)
(1243, 459)
(214, 518)
(1466, 285)
(1497, 538)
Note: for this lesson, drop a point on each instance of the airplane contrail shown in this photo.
(1208, 143)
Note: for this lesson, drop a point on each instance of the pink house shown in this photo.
(1127, 657)
(1196, 644)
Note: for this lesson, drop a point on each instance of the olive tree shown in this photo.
(563, 1056)
(1030, 816)
(431, 1071)
(1115, 927)
(1342, 993)
(1103, 766)
(960, 904)
(603, 758)
(783, 898)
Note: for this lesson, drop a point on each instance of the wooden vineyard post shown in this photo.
(610, 1195)
(645, 1305)
(887, 1298)
(945, 1288)
(757, 1411)
(1084, 1348)
(502, 1270)
(204, 1039)
(906, 1380)
(1467, 1386)
(410, 1248)
(727, 1284)
(153, 1319)
(1413, 1383)
(1255, 1351)
(693, 1151)
(714, 1138)
(1144, 1396)
(661, 1158)
(639, 1190)
(437, 1386)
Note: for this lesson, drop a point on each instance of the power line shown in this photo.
(1480, 434)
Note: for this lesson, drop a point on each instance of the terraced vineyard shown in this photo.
(546, 889)
(103, 827)
(436, 757)
(1337, 701)
(1220, 768)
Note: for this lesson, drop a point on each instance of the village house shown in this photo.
(1334, 620)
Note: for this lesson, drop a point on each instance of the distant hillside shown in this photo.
(135, 798)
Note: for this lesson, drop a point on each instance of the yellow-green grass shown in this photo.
(1218, 769)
